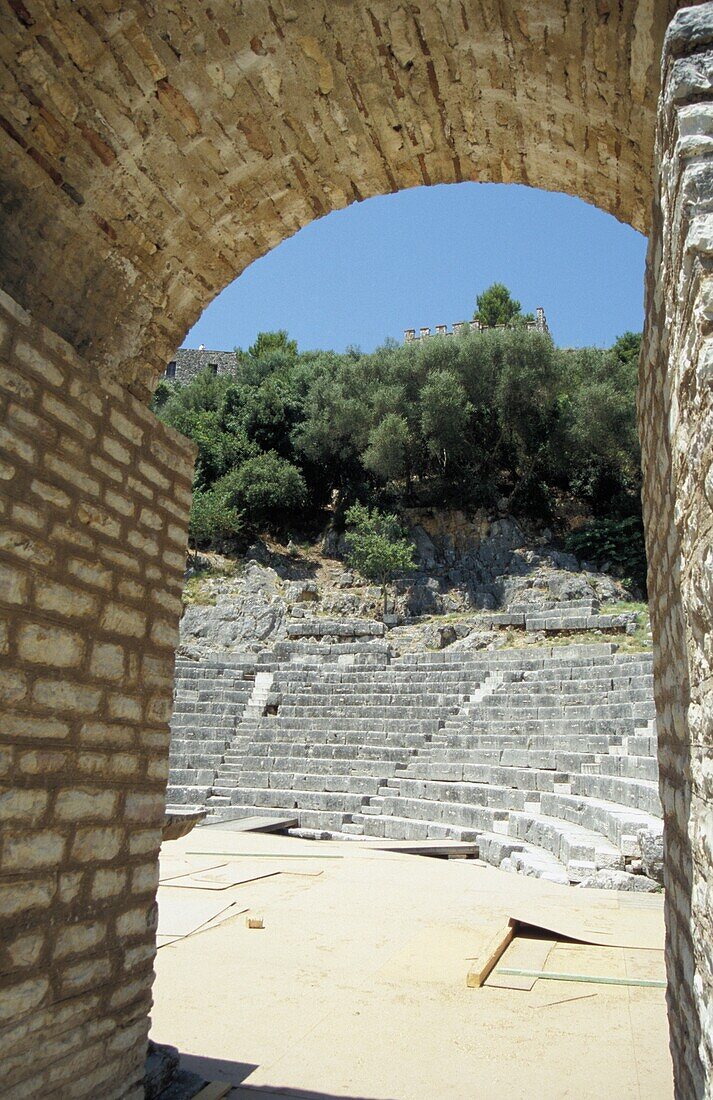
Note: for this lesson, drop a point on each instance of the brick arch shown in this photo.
(150, 152)
(160, 154)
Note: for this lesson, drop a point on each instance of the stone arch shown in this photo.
(149, 154)
(160, 155)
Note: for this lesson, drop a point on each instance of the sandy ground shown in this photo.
(356, 985)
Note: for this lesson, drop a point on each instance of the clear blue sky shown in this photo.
(421, 256)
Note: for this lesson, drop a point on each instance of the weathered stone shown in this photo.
(161, 1069)
(612, 879)
(652, 854)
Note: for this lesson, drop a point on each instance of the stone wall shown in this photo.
(188, 362)
(676, 419)
(461, 327)
(95, 494)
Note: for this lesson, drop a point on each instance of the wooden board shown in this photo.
(216, 1090)
(452, 849)
(254, 824)
(493, 949)
(524, 953)
(181, 912)
(225, 876)
(173, 867)
(589, 921)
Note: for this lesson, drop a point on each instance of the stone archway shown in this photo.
(150, 153)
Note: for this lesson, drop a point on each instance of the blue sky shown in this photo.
(420, 257)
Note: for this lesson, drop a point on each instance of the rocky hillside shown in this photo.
(471, 572)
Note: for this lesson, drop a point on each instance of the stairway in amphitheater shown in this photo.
(545, 757)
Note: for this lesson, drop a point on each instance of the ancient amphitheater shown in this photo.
(545, 757)
(150, 152)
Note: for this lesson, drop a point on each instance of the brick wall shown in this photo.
(95, 495)
(676, 417)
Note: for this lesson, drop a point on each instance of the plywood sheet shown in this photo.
(181, 912)
(254, 824)
(445, 848)
(226, 875)
(172, 867)
(163, 941)
(524, 953)
(591, 922)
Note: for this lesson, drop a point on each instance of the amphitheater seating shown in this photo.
(565, 616)
(210, 700)
(545, 757)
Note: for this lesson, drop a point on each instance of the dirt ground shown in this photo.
(356, 985)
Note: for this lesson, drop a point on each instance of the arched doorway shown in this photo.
(149, 157)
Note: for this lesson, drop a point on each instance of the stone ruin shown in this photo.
(544, 757)
(126, 210)
(461, 327)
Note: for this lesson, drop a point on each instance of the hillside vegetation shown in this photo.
(501, 419)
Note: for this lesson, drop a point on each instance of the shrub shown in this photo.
(212, 519)
(377, 546)
(267, 489)
(620, 542)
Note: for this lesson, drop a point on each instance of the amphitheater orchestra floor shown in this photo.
(355, 986)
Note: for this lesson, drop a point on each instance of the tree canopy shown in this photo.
(377, 546)
(496, 306)
(466, 420)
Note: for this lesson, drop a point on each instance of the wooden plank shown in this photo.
(594, 979)
(254, 824)
(589, 921)
(524, 955)
(452, 849)
(266, 855)
(490, 956)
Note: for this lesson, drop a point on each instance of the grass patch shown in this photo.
(196, 590)
(618, 607)
(626, 643)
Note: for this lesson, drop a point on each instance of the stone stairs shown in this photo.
(209, 701)
(546, 757)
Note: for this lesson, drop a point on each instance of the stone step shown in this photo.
(582, 851)
(619, 824)
(518, 855)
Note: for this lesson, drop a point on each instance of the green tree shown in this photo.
(387, 453)
(268, 342)
(445, 413)
(496, 306)
(162, 393)
(212, 519)
(267, 489)
(377, 546)
(627, 348)
(526, 397)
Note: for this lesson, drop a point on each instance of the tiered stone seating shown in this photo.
(564, 616)
(545, 756)
(209, 701)
(550, 747)
(340, 732)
